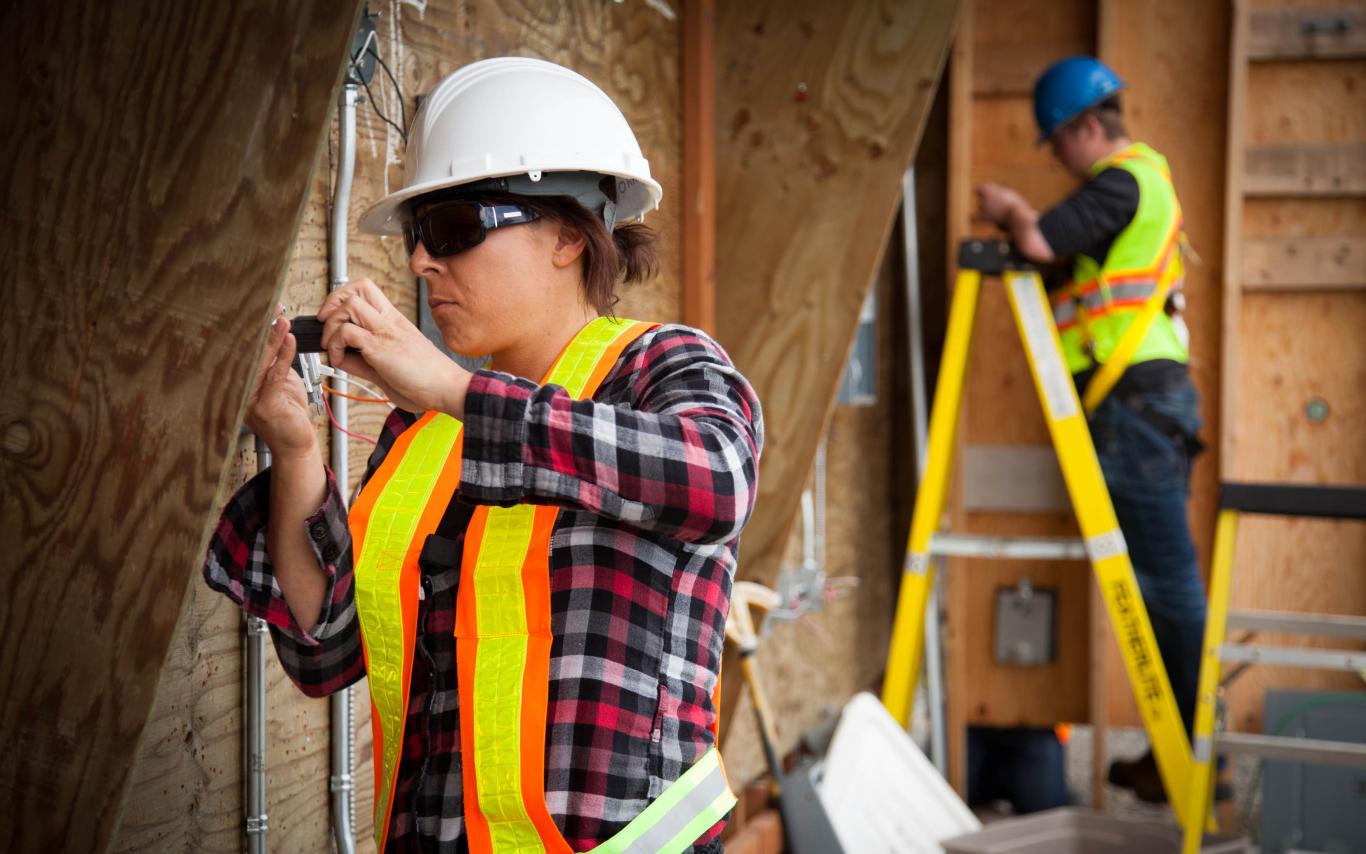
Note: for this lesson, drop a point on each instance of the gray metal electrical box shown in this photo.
(1025, 630)
(859, 385)
(1309, 807)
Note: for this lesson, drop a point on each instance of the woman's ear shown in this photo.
(569, 246)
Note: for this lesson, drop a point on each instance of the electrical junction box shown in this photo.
(858, 387)
(1311, 807)
(1025, 625)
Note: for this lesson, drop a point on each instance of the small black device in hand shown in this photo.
(308, 333)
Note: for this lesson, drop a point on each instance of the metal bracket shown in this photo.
(990, 257)
(309, 368)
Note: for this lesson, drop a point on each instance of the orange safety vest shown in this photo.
(502, 632)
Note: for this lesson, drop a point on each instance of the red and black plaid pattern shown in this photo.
(657, 475)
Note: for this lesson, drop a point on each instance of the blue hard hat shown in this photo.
(1068, 88)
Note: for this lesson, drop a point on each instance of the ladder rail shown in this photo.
(1102, 542)
(1285, 622)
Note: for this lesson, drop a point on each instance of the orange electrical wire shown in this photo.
(330, 390)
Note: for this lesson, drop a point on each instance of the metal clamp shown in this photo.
(341, 783)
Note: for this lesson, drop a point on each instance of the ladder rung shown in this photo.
(1011, 548)
(1326, 625)
(1293, 749)
(1290, 656)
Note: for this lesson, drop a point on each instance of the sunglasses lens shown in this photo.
(410, 235)
(449, 229)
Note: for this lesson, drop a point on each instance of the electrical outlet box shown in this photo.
(1025, 625)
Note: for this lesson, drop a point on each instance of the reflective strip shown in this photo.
(1204, 748)
(1106, 545)
(389, 518)
(499, 664)
(1064, 312)
(503, 638)
(686, 809)
(916, 563)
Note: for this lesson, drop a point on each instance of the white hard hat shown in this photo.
(531, 122)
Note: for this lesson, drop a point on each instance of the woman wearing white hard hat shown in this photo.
(536, 573)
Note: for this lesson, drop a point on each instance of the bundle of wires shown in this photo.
(374, 396)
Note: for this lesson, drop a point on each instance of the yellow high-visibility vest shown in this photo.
(502, 633)
(1108, 295)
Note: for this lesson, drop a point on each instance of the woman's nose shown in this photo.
(421, 262)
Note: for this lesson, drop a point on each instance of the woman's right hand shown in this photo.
(278, 409)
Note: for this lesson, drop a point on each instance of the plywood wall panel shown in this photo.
(820, 108)
(1295, 349)
(187, 789)
(187, 183)
(813, 667)
(1000, 405)
(1306, 102)
(1159, 49)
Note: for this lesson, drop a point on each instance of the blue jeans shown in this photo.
(1147, 470)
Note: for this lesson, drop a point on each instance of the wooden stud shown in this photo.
(959, 205)
(698, 218)
(1233, 241)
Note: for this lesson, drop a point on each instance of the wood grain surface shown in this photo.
(158, 154)
(996, 131)
(1159, 48)
(820, 107)
(1299, 361)
(186, 788)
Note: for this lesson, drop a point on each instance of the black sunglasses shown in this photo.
(449, 228)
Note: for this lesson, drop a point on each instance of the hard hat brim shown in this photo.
(385, 216)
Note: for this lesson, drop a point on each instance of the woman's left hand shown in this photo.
(393, 353)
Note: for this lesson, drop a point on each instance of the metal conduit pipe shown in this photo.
(254, 714)
(934, 661)
(342, 781)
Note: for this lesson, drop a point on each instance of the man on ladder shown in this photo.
(1126, 346)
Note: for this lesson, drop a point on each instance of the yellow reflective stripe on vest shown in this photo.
(682, 813)
(390, 528)
(510, 635)
(499, 666)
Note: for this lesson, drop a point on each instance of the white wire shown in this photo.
(327, 371)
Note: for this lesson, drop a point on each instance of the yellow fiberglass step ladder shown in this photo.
(1101, 542)
(1328, 502)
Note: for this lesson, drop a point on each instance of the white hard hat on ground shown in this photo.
(542, 128)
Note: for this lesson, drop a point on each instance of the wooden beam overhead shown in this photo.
(1327, 33)
(820, 107)
(157, 157)
(698, 217)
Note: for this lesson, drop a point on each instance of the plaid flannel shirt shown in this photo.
(656, 476)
